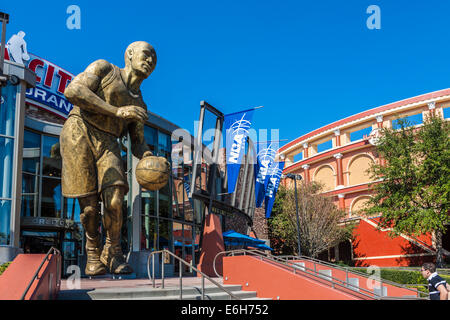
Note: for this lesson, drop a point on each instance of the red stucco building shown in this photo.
(339, 154)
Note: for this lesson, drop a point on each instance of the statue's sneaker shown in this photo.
(94, 267)
(115, 261)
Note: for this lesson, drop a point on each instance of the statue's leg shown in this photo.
(90, 218)
(112, 255)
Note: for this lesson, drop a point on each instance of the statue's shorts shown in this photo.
(91, 159)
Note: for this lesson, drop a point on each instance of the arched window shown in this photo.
(357, 169)
(358, 205)
(325, 175)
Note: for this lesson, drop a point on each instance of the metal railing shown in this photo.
(335, 283)
(57, 253)
(181, 261)
(352, 271)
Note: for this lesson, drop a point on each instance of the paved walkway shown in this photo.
(108, 282)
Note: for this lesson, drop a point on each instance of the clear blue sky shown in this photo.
(309, 63)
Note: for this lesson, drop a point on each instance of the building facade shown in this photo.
(339, 154)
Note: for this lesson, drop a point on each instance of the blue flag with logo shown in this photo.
(272, 186)
(264, 162)
(237, 126)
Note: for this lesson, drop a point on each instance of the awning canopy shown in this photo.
(177, 243)
(233, 238)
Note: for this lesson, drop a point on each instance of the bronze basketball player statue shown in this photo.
(107, 104)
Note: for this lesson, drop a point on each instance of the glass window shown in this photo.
(177, 199)
(72, 209)
(148, 199)
(6, 166)
(8, 110)
(5, 216)
(165, 234)
(151, 138)
(51, 200)
(148, 233)
(30, 183)
(30, 195)
(164, 202)
(177, 158)
(29, 206)
(31, 152)
(51, 157)
(164, 145)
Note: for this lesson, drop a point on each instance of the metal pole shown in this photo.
(298, 220)
(197, 152)
(244, 181)
(203, 287)
(181, 281)
(162, 270)
(153, 270)
(4, 17)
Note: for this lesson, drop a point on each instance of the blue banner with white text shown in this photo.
(237, 126)
(264, 161)
(272, 186)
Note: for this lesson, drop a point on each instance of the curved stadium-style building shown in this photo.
(339, 154)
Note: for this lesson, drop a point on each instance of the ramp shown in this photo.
(305, 279)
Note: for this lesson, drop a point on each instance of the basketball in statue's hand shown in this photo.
(153, 172)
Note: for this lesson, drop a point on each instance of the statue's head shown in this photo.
(141, 57)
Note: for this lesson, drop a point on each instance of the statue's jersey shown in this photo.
(113, 90)
(90, 152)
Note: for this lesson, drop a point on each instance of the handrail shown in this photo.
(52, 249)
(165, 251)
(311, 272)
(347, 270)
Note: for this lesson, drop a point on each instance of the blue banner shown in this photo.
(236, 125)
(264, 162)
(187, 187)
(272, 186)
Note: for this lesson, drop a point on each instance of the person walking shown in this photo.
(436, 285)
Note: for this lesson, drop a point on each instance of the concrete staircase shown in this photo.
(147, 292)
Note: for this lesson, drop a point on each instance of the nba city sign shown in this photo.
(51, 80)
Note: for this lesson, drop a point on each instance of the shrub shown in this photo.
(407, 278)
(3, 267)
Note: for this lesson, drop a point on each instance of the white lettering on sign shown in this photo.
(236, 148)
(263, 170)
(240, 129)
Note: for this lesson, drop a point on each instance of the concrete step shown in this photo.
(247, 295)
(145, 292)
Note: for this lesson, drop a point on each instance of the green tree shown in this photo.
(320, 220)
(413, 194)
